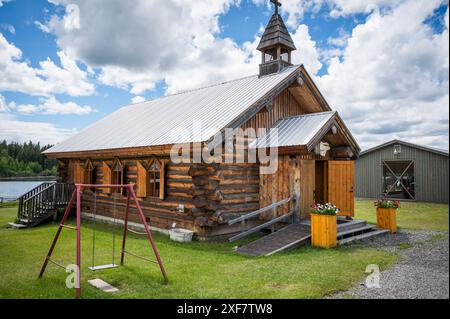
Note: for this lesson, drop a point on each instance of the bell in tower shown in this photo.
(276, 45)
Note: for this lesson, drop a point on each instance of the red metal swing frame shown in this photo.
(77, 194)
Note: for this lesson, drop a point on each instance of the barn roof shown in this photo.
(302, 130)
(424, 148)
(170, 119)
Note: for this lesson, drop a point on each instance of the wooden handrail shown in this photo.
(40, 192)
(259, 211)
(43, 200)
(262, 226)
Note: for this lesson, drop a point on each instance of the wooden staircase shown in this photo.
(41, 203)
(357, 230)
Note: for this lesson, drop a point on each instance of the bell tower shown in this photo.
(276, 45)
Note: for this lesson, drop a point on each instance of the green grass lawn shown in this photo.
(411, 215)
(196, 270)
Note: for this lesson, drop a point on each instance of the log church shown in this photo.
(314, 149)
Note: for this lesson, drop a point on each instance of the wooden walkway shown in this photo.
(288, 237)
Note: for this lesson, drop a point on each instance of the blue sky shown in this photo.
(216, 42)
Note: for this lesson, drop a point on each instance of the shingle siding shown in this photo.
(430, 170)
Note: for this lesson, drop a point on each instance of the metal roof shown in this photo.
(297, 131)
(424, 148)
(170, 120)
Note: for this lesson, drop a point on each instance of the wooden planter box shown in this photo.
(387, 219)
(323, 231)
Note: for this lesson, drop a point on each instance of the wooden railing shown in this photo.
(43, 200)
(273, 67)
(293, 215)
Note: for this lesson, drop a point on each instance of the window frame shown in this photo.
(144, 177)
(157, 187)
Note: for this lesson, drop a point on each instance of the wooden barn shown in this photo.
(134, 145)
(402, 170)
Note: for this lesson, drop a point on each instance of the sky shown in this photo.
(64, 64)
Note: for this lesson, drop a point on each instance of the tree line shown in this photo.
(23, 160)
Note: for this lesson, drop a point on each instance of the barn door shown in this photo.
(340, 186)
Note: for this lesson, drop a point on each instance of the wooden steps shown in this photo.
(373, 233)
(353, 231)
(356, 230)
(286, 238)
(42, 203)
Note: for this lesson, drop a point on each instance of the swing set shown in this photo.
(131, 195)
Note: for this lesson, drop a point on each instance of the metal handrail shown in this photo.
(259, 211)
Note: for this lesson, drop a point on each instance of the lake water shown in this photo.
(14, 189)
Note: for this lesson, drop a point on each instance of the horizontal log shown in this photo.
(240, 182)
(180, 185)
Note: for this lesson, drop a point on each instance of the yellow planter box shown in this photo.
(323, 231)
(387, 219)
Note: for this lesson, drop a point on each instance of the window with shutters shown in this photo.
(154, 179)
(90, 175)
(117, 176)
(150, 178)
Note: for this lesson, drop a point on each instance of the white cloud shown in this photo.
(47, 106)
(137, 46)
(388, 78)
(341, 40)
(8, 27)
(18, 76)
(307, 52)
(13, 129)
(137, 99)
(392, 80)
(296, 9)
(4, 106)
(340, 8)
(52, 106)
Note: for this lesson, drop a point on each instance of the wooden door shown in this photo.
(307, 186)
(340, 186)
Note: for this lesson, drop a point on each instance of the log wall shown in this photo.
(210, 193)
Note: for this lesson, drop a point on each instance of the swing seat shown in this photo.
(95, 268)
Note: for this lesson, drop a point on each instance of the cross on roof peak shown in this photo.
(277, 4)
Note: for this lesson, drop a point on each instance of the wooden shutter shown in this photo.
(141, 180)
(162, 180)
(340, 186)
(307, 186)
(106, 177)
(78, 173)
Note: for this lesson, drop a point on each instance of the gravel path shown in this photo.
(422, 271)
